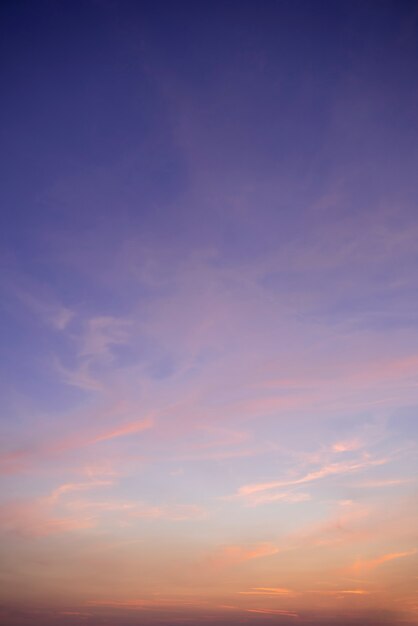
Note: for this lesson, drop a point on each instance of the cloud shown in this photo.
(366, 565)
(232, 555)
(346, 526)
(268, 591)
(347, 446)
(341, 592)
(144, 603)
(45, 307)
(75, 613)
(283, 592)
(71, 487)
(130, 510)
(19, 460)
(278, 612)
(131, 428)
(101, 333)
(94, 348)
(34, 519)
(80, 376)
(385, 482)
(255, 499)
(101, 506)
(61, 317)
(332, 469)
(178, 512)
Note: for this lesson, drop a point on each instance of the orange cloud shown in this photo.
(268, 591)
(274, 612)
(231, 555)
(373, 563)
(353, 592)
(138, 604)
(279, 591)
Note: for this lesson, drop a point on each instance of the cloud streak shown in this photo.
(371, 564)
(232, 555)
(132, 428)
(332, 469)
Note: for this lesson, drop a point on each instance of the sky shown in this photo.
(208, 313)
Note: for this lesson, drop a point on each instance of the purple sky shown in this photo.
(208, 302)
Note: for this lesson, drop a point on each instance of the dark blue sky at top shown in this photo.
(96, 85)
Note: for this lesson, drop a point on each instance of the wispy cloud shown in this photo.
(268, 591)
(285, 592)
(347, 445)
(276, 612)
(332, 469)
(234, 554)
(144, 603)
(44, 306)
(34, 519)
(127, 511)
(132, 428)
(179, 512)
(93, 348)
(340, 592)
(384, 482)
(257, 499)
(71, 487)
(370, 564)
(79, 376)
(20, 460)
(100, 334)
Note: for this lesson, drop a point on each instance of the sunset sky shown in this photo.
(209, 313)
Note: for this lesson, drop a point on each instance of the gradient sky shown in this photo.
(209, 313)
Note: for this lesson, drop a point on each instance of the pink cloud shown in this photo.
(71, 487)
(131, 428)
(385, 482)
(347, 446)
(20, 460)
